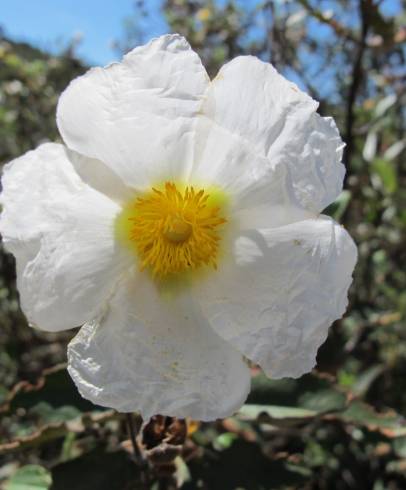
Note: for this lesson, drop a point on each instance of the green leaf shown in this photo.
(397, 467)
(3, 394)
(30, 477)
(384, 104)
(339, 206)
(365, 379)
(387, 174)
(370, 146)
(312, 392)
(394, 150)
(399, 446)
(48, 414)
(390, 423)
(275, 415)
(224, 441)
(35, 436)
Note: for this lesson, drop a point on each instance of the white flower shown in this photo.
(180, 226)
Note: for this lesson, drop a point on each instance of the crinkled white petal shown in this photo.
(260, 193)
(62, 234)
(276, 296)
(138, 116)
(256, 128)
(99, 176)
(156, 354)
(312, 149)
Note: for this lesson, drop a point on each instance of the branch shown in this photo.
(133, 430)
(356, 77)
(338, 28)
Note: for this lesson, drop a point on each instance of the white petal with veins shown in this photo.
(138, 116)
(276, 297)
(99, 176)
(156, 354)
(260, 136)
(62, 234)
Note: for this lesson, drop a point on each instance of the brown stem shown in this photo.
(356, 77)
(133, 430)
(141, 462)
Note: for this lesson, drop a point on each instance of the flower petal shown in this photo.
(275, 299)
(156, 354)
(138, 116)
(61, 232)
(99, 176)
(261, 194)
(256, 122)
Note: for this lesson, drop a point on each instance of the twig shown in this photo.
(140, 461)
(338, 28)
(356, 76)
(133, 430)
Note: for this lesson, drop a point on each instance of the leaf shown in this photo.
(337, 209)
(399, 446)
(365, 379)
(394, 150)
(397, 467)
(296, 18)
(288, 402)
(389, 423)
(387, 174)
(182, 474)
(370, 146)
(48, 414)
(52, 408)
(315, 392)
(41, 415)
(315, 395)
(3, 394)
(30, 477)
(384, 104)
(275, 415)
(52, 431)
(224, 441)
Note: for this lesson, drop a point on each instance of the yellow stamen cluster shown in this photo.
(175, 231)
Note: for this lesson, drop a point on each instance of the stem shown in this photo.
(356, 77)
(133, 430)
(140, 461)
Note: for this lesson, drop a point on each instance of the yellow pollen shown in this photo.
(174, 229)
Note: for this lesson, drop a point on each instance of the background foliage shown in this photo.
(341, 426)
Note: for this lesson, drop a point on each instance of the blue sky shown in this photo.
(50, 24)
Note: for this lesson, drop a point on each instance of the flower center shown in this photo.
(174, 229)
(178, 230)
